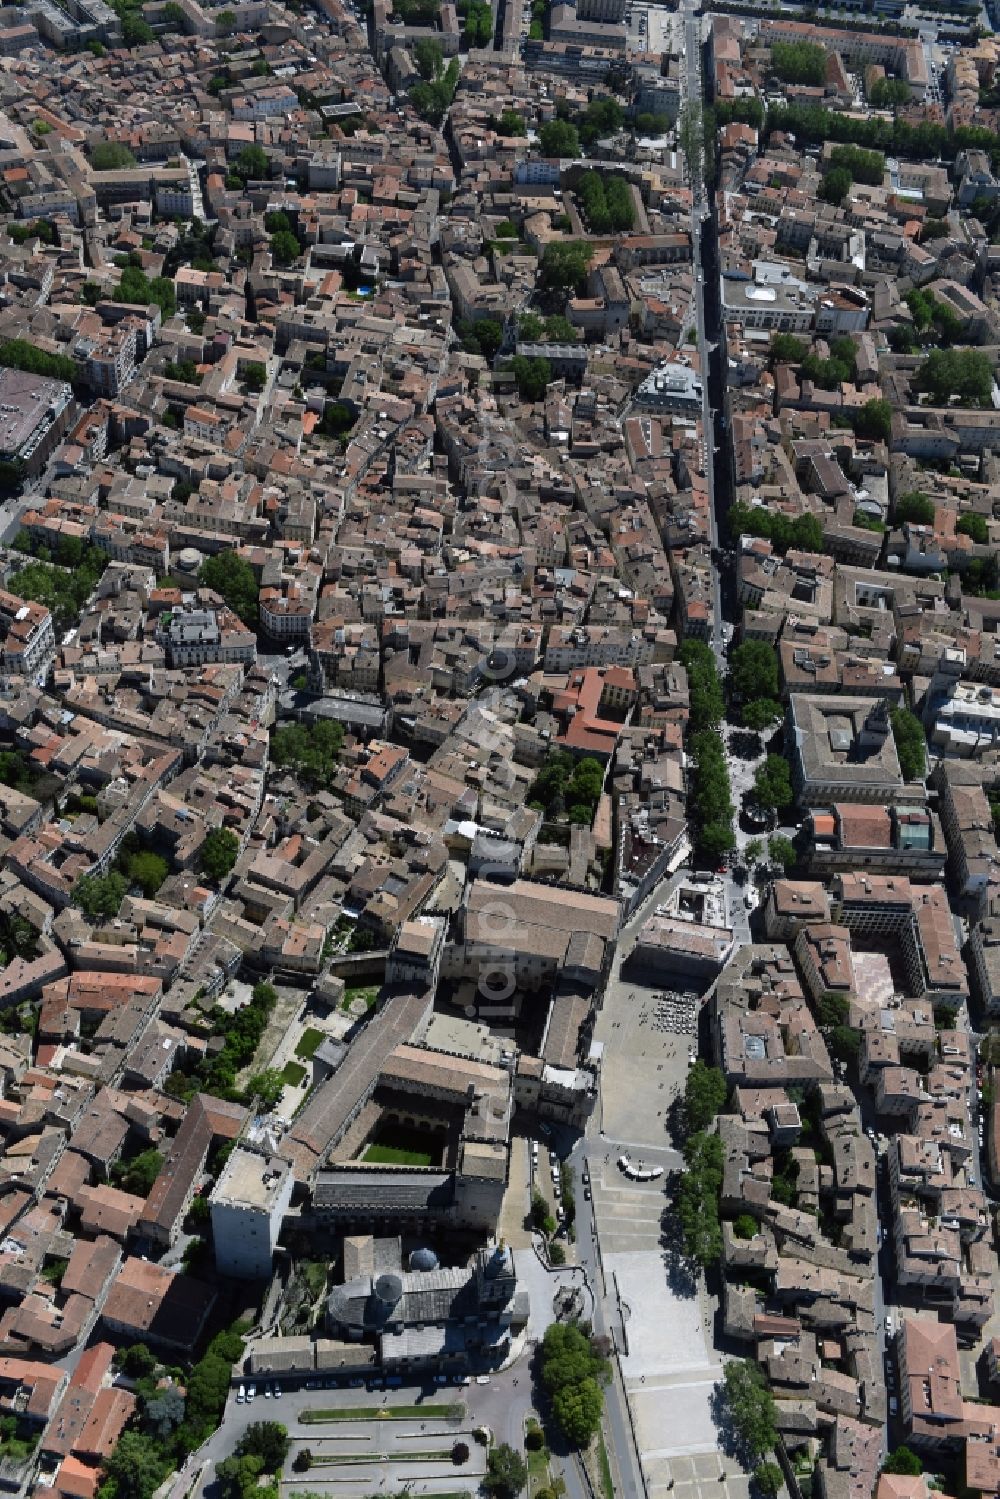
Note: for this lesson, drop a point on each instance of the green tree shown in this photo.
(975, 526)
(751, 1406)
(428, 58)
(100, 895)
(312, 752)
(337, 420)
(560, 330)
(864, 166)
(835, 185)
(564, 265)
(267, 1440)
(704, 1095)
(533, 376)
(165, 1412)
(253, 163)
(110, 156)
(833, 1009)
(225, 22)
(148, 871)
(573, 1373)
(506, 1474)
(138, 1175)
(603, 116)
(284, 248)
(873, 421)
(219, 853)
(478, 23)
(487, 336)
(787, 349)
(584, 789)
(768, 1478)
(577, 1408)
(234, 580)
(137, 1360)
(903, 1461)
(781, 850)
(773, 783)
(710, 801)
(267, 1087)
(947, 375)
(799, 62)
(239, 1477)
(511, 123)
(431, 100)
(135, 31)
(888, 93)
(706, 702)
(911, 744)
(914, 507)
(20, 354)
(804, 533)
(559, 138)
(745, 1227)
(698, 1199)
(691, 139)
(541, 1218)
(760, 714)
(137, 1466)
(208, 1387)
(754, 670)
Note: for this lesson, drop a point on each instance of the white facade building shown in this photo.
(249, 1202)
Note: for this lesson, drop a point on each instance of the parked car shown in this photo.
(241, 1395)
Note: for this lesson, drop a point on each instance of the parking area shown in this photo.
(650, 28)
(389, 1441)
(386, 1455)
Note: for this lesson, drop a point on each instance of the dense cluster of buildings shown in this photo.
(256, 307)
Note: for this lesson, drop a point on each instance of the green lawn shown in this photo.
(314, 1273)
(367, 992)
(429, 1411)
(538, 1463)
(309, 1041)
(392, 1155)
(343, 1459)
(293, 1073)
(605, 1464)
